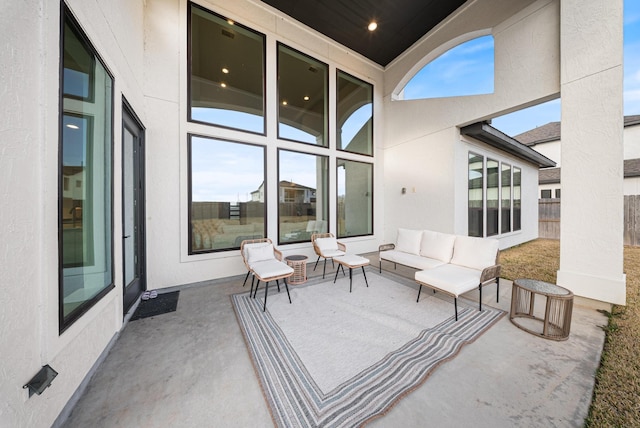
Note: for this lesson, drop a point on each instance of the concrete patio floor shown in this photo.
(191, 368)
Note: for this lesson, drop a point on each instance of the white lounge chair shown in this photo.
(264, 261)
(326, 246)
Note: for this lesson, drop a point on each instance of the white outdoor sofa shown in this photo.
(452, 264)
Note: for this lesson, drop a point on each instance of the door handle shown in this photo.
(126, 236)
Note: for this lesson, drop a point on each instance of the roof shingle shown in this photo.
(551, 132)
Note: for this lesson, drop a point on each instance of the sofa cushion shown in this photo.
(452, 279)
(258, 252)
(271, 268)
(437, 245)
(475, 253)
(409, 241)
(411, 260)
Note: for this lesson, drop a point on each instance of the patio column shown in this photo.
(591, 239)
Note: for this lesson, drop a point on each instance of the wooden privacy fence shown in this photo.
(632, 220)
(549, 219)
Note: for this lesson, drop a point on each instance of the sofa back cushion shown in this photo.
(327, 244)
(409, 241)
(475, 253)
(436, 245)
(259, 252)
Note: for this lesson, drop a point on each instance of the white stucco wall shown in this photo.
(591, 239)
(424, 167)
(422, 140)
(29, 68)
(22, 160)
(551, 150)
(631, 137)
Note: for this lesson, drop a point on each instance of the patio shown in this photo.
(191, 368)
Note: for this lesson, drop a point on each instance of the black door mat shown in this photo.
(164, 303)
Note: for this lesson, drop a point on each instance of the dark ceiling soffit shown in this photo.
(496, 138)
(401, 23)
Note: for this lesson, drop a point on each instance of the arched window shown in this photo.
(466, 69)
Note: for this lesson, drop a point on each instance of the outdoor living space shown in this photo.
(146, 140)
(192, 367)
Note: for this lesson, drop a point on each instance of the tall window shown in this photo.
(85, 218)
(355, 114)
(505, 205)
(476, 196)
(517, 200)
(227, 69)
(302, 98)
(303, 199)
(494, 204)
(227, 194)
(355, 198)
(493, 197)
(227, 179)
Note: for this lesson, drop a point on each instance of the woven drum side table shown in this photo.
(556, 323)
(299, 265)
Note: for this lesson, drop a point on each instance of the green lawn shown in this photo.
(616, 398)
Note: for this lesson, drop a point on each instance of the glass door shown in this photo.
(133, 239)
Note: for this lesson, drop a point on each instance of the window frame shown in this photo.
(502, 198)
(190, 6)
(338, 72)
(372, 165)
(497, 200)
(66, 16)
(514, 228)
(190, 136)
(516, 219)
(327, 100)
(326, 191)
(482, 192)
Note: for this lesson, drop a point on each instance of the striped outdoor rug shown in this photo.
(337, 359)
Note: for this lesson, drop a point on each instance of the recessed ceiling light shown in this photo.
(372, 26)
(224, 85)
(230, 21)
(284, 103)
(225, 70)
(306, 98)
(69, 125)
